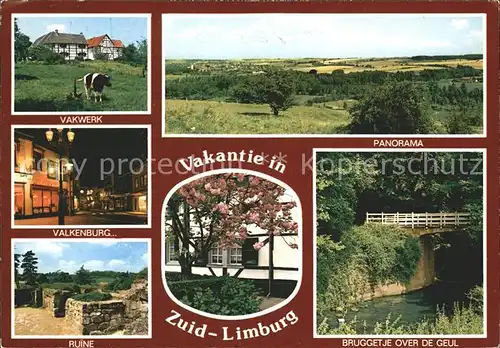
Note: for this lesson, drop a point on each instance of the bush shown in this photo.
(392, 109)
(44, 54)
(122, 282)
(463, 321)
(142, 274)
(218, 295)
(92, 296)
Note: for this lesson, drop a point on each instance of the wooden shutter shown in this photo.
(250, 256)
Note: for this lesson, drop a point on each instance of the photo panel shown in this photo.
(335, 74)
(83, 176)
(392, 231)
(80, 288)
(232, 244)
(81, 64)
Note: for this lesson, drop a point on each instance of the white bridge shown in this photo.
(437, 221)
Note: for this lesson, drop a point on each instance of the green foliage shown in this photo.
(21, 43)
(476, 298)
(463, 321)
(92, 296)
(367, 256)
(142, 274)
(29, 266)
(122, 282)
(44, 54)
(218, 295)
(83, 276)
(135, 54)
(392, 109)
(475, 227)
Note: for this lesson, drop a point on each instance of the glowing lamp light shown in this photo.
(49, 135)
(71, 136)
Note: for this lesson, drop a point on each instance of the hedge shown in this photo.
(92, 296)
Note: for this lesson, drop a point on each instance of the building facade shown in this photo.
(140, 188)
(76, 46)
(110, 49)
(70, 46)
(36, 179)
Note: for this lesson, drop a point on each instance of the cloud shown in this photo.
(94, 265)
(54, 249)
(68, 266)
(103, 242)
(116, 264)
(459, 23)
(145, 258)
(59, 27)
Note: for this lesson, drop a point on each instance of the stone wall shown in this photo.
(96, 318)
(48, 300)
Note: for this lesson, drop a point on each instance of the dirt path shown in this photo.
(38, 321)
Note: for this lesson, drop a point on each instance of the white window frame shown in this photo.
(226, 257)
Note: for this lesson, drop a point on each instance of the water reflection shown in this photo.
(412, 307)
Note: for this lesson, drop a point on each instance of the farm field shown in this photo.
(213, 117)
(219, 96)
(45, 88)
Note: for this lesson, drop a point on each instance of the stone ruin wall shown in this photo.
(96, 318)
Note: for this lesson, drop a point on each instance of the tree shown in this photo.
(43, 53)
(17, 263)
(29, 267)
(274, 89)
(392, 109)
(83, 276)
(21, 43)
(218, 209)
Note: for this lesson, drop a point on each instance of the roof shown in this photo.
(55, 37)
(117, 43)
(96, 41)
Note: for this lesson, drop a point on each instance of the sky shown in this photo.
(128, 30)
(95, 255)
(233, 36)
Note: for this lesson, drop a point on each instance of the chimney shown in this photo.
(81, 33)
(56, 31)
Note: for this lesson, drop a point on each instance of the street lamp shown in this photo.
(61, 143)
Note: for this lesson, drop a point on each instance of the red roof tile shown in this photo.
(95, 41)
(117, 43)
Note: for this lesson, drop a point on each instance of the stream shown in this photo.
(412, 307)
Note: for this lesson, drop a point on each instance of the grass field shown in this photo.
(212, 117)
(45, 88)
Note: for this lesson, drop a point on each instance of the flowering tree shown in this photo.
(219, 209)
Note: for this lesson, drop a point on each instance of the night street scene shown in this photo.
(104, 177)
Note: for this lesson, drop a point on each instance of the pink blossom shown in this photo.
(222, 208)
(258, 245)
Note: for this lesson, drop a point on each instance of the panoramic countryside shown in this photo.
(332, 74)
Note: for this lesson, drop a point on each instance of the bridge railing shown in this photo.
(420, 220)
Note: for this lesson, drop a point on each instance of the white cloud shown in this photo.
(59, 27)
(114, 264)
(68, 266)
(459, 23)
(94, 265)
(103, 242)
(145, 258)
(54, 249)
